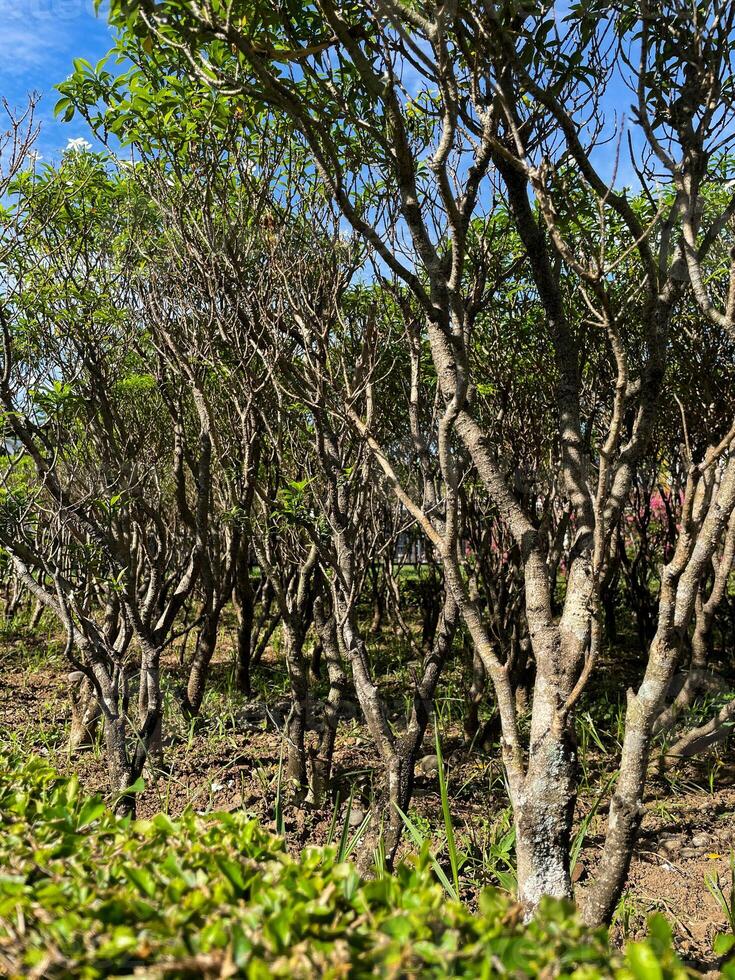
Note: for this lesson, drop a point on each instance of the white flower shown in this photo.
(34, 156)
(78, 145)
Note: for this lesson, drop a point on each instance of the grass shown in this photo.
(723, 892)
(446, 812)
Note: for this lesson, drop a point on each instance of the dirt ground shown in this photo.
(233, 760)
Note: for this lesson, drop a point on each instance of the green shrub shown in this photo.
(86, 894)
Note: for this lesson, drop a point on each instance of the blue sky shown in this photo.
(38, 41)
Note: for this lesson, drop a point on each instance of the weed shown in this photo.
(627, 915)
(448, 828)
(723, 892)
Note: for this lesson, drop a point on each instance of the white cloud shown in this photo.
(27, 47)
(36, 33)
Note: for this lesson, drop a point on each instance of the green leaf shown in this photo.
(233, 872)
(62, 105)
(643, 962)
(142, 879)
(92, 810)
(724, 943)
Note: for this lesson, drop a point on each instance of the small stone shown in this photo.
(702, 840)
(356, 816)
(428, 765)
(578, 872)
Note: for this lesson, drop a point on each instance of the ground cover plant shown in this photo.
(366, 391)
(85, 893)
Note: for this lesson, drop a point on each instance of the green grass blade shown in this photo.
(359, 834)
(344, 837)
(419, 840)
(280, 822)
(579, 838)
(333, 821)
(448, 827)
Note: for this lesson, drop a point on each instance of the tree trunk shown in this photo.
(118, 764)
(315, 661)
(36, 615)
(199, 668)
(85, 714)
(401, 755)
(11, 608)
(378, 603)
(322, 753)
(150, 742)
(680, 583)
(543, 820)
(698, 740)
(475, 697)
(245, 605)
(298, 716)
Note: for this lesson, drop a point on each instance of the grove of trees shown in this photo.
(349, 296)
